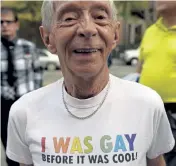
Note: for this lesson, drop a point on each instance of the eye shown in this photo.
(101, 17)
(69, 19)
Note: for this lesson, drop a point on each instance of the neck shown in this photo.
(82, 88)
(9, 38)
(169, 19)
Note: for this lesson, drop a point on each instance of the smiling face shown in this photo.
(83, 34)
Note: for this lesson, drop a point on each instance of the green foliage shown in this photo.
(28, 10)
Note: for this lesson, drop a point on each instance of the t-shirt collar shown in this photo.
(161, 25)
(85, 103)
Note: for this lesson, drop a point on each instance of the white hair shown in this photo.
(47, 12)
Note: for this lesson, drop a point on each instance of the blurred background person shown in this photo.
(110, 60)
(20, 68)
(157, 62)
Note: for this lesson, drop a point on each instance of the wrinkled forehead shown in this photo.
(63, 4)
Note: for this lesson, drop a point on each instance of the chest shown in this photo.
(106, 140)
(22, 60)
(161, 46)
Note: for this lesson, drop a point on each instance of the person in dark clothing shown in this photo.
(20, 68)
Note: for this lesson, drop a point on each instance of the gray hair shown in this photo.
(47, 11)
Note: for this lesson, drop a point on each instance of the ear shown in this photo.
(116, 35)
(48, 39)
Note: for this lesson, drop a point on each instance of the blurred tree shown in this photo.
(125, 9)
(28, 10)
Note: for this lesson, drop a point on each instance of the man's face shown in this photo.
(164, 6)
(84, 34)
(8, 25)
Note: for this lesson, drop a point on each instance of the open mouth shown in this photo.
(86, 50)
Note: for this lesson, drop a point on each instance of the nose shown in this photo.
(87, 29)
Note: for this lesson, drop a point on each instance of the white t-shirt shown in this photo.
(130, 126)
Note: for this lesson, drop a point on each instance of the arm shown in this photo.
(139, 66)
(17, 146)
(162, 138)
(159, 161)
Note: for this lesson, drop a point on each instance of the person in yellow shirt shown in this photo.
(157, 62)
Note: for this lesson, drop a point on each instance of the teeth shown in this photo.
(86, 50)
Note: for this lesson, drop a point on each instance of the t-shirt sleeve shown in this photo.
(17, 148)
(141, 48)
(144, 41)
(163, 140)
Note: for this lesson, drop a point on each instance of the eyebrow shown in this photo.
(71, 7)
(102, 7)
(66, 8)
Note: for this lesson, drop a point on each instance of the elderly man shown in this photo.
(157, 62)
(89, 117)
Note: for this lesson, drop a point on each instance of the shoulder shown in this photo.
(151, 30)
(24, 42)
(33, 101)
(139, 94)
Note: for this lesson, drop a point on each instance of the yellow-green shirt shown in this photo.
(158, 52)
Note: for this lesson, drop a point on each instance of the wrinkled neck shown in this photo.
(86, 88)
(169, 19)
